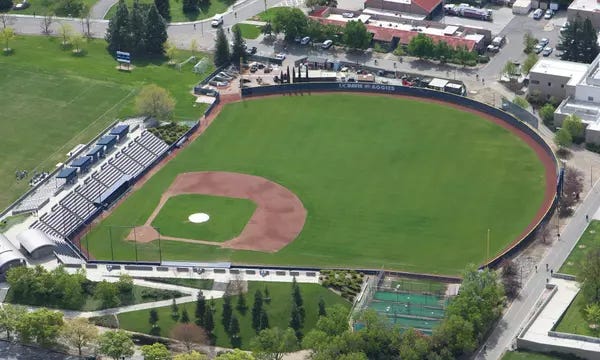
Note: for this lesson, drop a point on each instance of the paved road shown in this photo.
(99, 10)
(516, 315)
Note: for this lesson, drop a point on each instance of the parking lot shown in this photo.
(501, 17)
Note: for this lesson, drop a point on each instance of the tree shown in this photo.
(241, 304)
(156, 32)
(296, 320)
(414, 345)
(356, 35)
(510, 68)
(322, 310)
(156, 351)
(209, 323)
(274, 343)
(456, 334)
(117, 34)
(115, 344)
(6, 5)
(578, 41)
(234, 332)
(185, 317)
(66, 31)
(108, 294)
(10, 315)
(47, 20)
(77, 41)
(164, 8)
(137, 28)
(510, 279)
(227, 312)
(463, 55)
(86, 20)
(291, 22)
(238, 50)
(588, 46)
(314, 30)
(125, 284)
(421, 46)
(589, 275)
(529, 42)
(573, 182)
(442, 51)
(547, 114)
(236, 354)
(192, 355)
(6, 20)
(592, 314)
(155, 102)
(171, 52)
(200, 309)
(529, 62)
(189, 334)
(257, 308)
(79, 333)
(263, 322)
(194, 47)
(267, 29)
(222, 56)
(563, 138)
(6, 35)
(153, 318)
(174, 310)
(267, 297)
(575, 127)
(41, 327)
(520, 102)
(70, 8)
(189, 6)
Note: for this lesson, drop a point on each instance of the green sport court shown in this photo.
(394, 182)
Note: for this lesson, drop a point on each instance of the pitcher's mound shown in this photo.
(198, 218)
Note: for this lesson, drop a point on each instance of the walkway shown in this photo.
(514, 317)
(100, 8)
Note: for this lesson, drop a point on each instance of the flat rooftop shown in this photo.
(574, 71)
(585, 5)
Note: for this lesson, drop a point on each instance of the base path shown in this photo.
(276, 222)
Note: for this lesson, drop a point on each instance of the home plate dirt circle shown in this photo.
(199, 218)
(278, 219)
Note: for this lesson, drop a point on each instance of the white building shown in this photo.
(585, 9)
(584, 102)
(555, 78)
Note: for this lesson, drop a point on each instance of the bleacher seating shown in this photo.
(152, 143)
(92, 189)
(61, 220)
(127, 165)
(140, 154)
(78, 205)
(40, 196)
(108, 176)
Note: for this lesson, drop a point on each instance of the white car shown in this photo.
(217, 21)
(348, 15)
(327, 44)
(549, 14)
(280, 56)
(547, 51)
(305, 40)
(538, 13)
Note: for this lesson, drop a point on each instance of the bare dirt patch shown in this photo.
(276, 222)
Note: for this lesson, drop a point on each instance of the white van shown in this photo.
(217, 20)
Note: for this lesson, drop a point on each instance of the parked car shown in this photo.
(251, 51)
(499, 41)
(305, 40)
(538, 48)
(493, 48)
(217, 21)
(547, 51)
(538, 13)
(549, 14)
(298, 39)
(280, 56)
(348, 15)
(327, 44)
(22, 5)
(544, 42)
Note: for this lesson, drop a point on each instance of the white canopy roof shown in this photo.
(33, 239)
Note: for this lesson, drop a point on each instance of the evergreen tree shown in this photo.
(267, 297)
(238, 52)
(209, 322)
(153, 319)
(589, 42)
(222, 56)
(137, 26)
(189, 6)
(296, 320)
(567, 41)
(174, 310)
(234, 327)
(264, 320)
(200, 309)
(322, 311)
(156, 32)
(297, 299)
(241, 304)
(164, 9)
(185, 317)
(117, 34)
(227, 312)
(257, 308)
(578, 41)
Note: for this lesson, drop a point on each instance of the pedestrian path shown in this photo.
(101, 8)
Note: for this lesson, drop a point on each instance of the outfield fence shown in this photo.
(293, 89)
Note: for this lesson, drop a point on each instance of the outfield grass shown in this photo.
(525, 355)
(228, 216)
(384, 183)
(249, 31)
(51, 101)
(278, 311)
(590, 237)
(176, 10)
(573, 321)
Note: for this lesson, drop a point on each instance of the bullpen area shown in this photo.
(346, 180)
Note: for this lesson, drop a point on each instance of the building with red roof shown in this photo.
(425, 8)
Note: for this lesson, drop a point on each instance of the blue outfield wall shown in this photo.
(290, 89)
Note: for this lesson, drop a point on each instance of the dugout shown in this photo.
(69, 174)
(82, 163)
(114, 192)
(36, 244)
(120, 131)
(96, 153)
(108, 142)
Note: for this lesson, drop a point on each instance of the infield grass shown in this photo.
(278, 311)
(51, 101)
(387, 182)
(228, 217)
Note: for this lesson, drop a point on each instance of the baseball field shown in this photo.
(382, 181)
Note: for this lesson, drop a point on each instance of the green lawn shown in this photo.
(269, 14)
(590, 237)
(573, 321)
(384, 182)
(37, 7)
(205, 284)
(524, 355)
(8, 222)
(177, 14)
(228, 217)
(249, 31)
(278, 311)
(51, 101)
